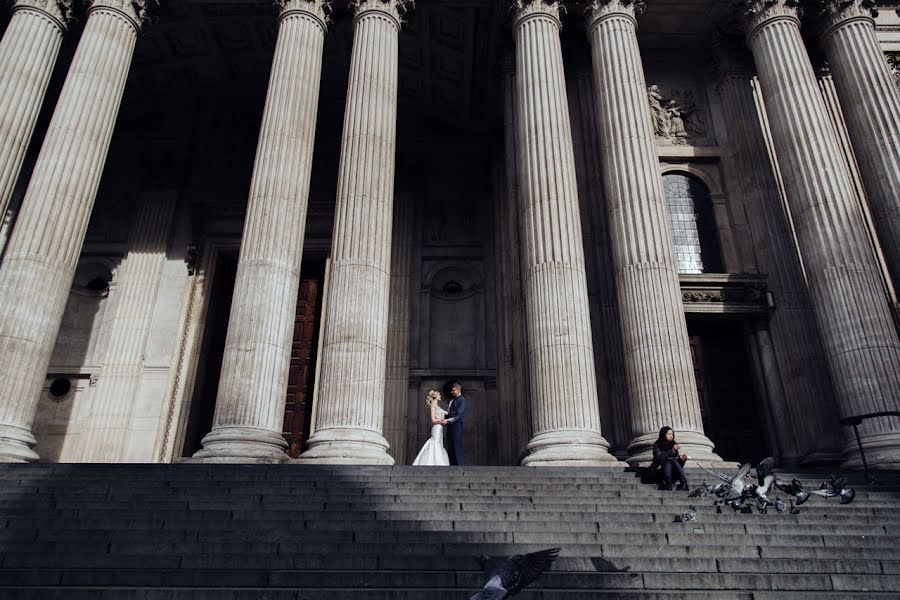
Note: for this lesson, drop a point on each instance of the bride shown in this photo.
(433, 453)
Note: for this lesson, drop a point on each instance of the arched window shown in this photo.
(693, 224)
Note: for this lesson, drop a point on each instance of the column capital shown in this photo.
(597, 10)
(395, 9)
(525, 9)
(756, 13)
(318, 9)
(136, 12)
(840, 12)
(59, 11)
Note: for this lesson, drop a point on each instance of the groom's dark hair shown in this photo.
(456, 384)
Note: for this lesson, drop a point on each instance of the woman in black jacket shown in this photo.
(668, 460)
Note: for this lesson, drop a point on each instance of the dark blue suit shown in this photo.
(455, 429)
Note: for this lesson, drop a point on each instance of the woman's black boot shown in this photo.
(683, 485)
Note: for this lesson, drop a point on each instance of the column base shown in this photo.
(346, 446)
(696, 445)
(242, 445)
(882, 452)
(569, 448)
(16, 445)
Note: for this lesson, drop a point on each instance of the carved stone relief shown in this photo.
(893, 60)
(677, 117)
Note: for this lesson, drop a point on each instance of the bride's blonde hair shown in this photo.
(432, 396)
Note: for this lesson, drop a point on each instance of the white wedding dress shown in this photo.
(433, 453)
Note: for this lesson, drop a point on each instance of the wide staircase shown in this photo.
(300, 532)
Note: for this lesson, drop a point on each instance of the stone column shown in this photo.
(39, 265)
(249, 415)
(871, 105)
(658, 368)
(564, 401)
(350, 412)
(104, 435)
(28, 53)
(808, 395)
(860, 341)
(397, 371)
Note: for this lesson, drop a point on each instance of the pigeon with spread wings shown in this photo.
(736, 483)
(505, 579)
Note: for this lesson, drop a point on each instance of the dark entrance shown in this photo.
(212, 349)
(301, 377)
(729, 401)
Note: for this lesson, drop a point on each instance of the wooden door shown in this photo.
(298, 406)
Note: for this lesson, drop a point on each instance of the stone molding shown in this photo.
(835, 13)
(731, 294)
(597, 10)
(757, 13)
(320, 10)
(137, 12)
(526, 9)
(395, 9)
(61, 12)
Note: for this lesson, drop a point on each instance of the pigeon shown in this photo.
(762, 505)
(736, 483)
(780, 506)
(689, 515)
(794, 509)
(700, 491)
(506, 579)
(763, 488)
(746, 509)
(765, 467)
(836, 487)
(794, 488)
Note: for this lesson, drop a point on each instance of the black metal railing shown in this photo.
(855, 422)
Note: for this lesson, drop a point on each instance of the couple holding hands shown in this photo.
(433, 452)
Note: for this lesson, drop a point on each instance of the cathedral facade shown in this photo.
(257, 231)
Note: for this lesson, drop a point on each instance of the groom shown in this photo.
(454, 423)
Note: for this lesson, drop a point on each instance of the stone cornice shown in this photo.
(597, 10)
(395, 9)
(757, 13)
(136, 12)
(59, 11)
(839, 12)
(318, 9)
(524, 9)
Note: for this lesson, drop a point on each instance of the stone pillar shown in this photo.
(793, 345)
(104, 434)
(860, 341)
(247, 425)
(871, 104)
(350, 411)
(40, 262)
(28, 53)
(564, 402)
(397, 373)
(659, 372)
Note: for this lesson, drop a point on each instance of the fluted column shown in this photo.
(250, 403)
(808, 394)
(564, 401)
(104, 433)
(37, 270)
(28, 53)
(871, 104)
(861, 344)
(658, 368)
(350, 411)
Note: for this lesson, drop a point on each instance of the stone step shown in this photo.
(468, 581)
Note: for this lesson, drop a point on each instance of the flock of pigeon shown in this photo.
(506, 578)
(741, 495)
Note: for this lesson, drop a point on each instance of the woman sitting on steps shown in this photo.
(667, 461)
